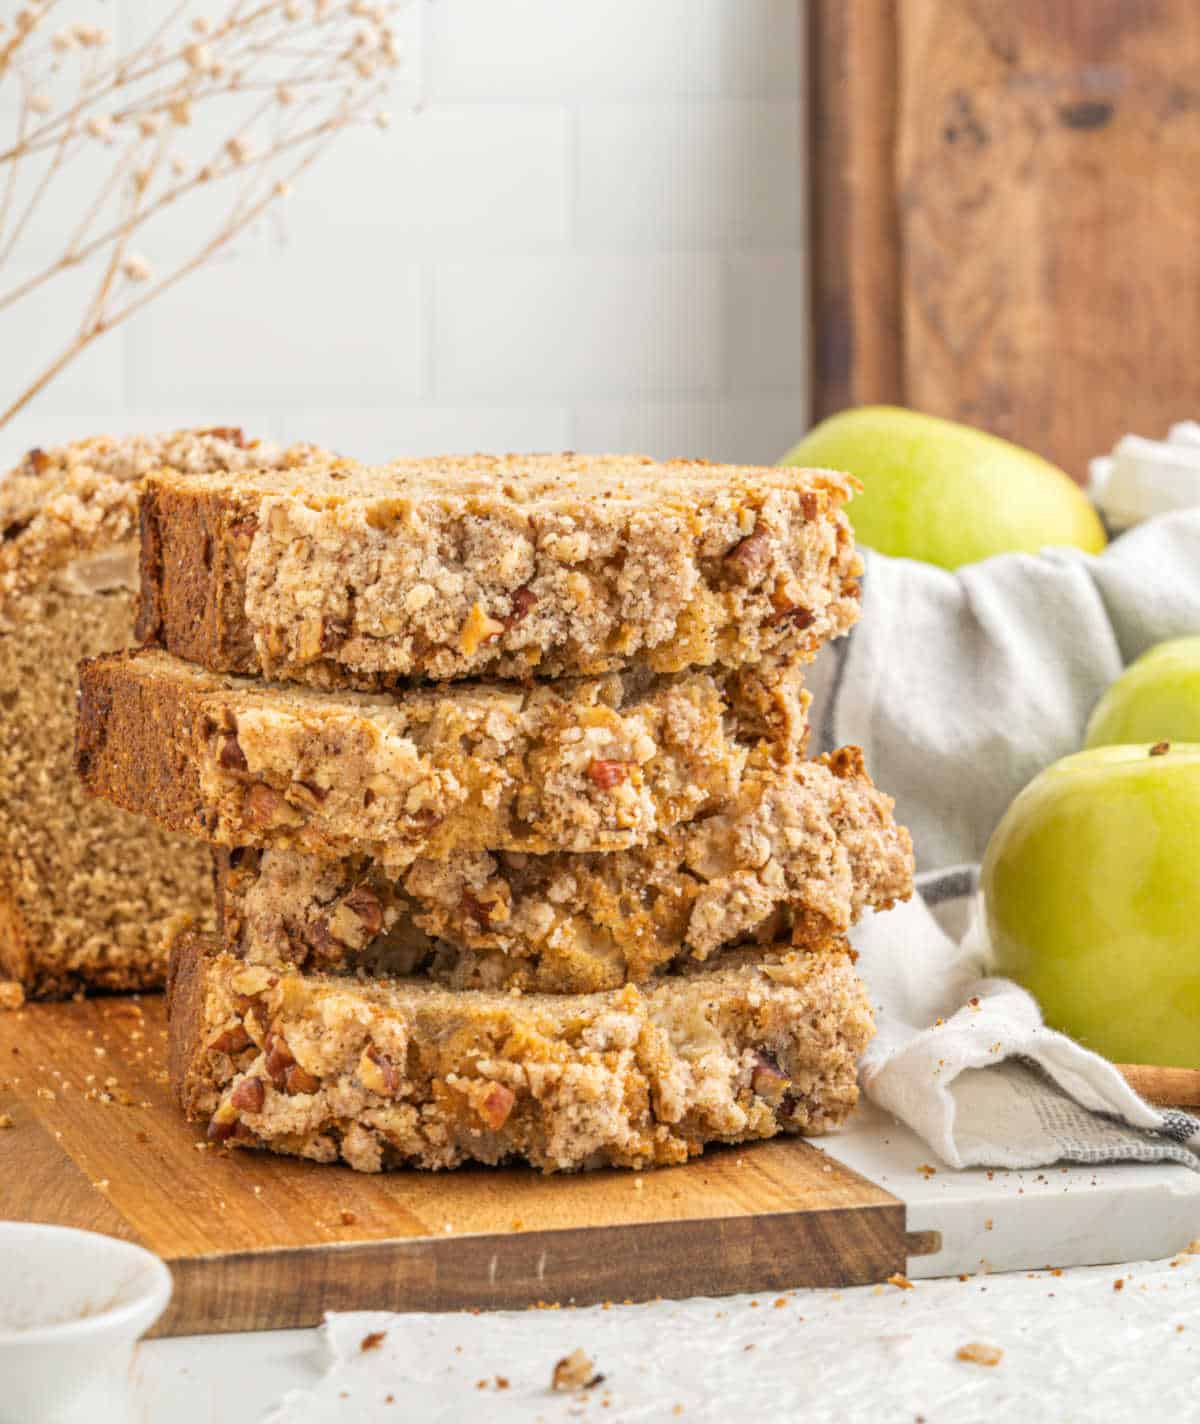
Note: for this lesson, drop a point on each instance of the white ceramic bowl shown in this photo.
(72, 1306)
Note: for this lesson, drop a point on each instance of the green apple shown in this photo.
(947, 493)
(1156, 698)
(1093, 900)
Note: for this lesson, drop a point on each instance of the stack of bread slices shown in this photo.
(518, 852)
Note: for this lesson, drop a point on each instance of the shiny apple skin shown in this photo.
(1156, 697)
(1092, 888)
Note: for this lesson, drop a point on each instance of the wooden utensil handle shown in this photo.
(1165, 1087)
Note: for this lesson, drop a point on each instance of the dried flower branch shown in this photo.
(242, 102)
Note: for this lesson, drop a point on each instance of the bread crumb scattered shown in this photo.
(575, 1371)
(977, 1354)
(5, 1120)
(900, 1282)
(12, 996)
(373, 1340)
(1119, 1284)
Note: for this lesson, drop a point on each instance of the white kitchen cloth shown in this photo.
(966, 1061)
(960, 687)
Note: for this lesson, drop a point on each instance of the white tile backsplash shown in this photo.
(586, 49)
(584, 228)
(578, 325)
(286, 330)
(725, 174)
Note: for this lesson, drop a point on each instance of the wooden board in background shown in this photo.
(260, 1242)
(1006, 228)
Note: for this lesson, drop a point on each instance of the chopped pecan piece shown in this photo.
(38, 458)
(522, 601)
(231, 1040)
(264, 805)
(575, 1371)
(495, 1105)
(231, 756)
(799, 617)
(363, 902)
(334, 632)
(606, 774)
(279, 1058)
(479, 910)
(300, 1081)
(223, 1123)
(249, 1095)
(378, 1074)
(749, 559)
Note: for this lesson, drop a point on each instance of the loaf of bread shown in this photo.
(87, 893)
(797, 855)
(584, 764)
(388, 1073)
(515, 566)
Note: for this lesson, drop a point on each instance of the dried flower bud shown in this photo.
(149, 125)
(200, 25)
(181, 112)
(198, 57)
(241, 150)
(282, 188)
(63, 41)
(136, 268)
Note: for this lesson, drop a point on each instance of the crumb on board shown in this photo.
(372, 1341)
(347, 1218)
(5, 1120)
(900, 1282)
(12, 996)
(977, 1354)
(575, 1371)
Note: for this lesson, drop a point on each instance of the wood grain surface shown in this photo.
(1006, 227)
(1165, 1087)
(260, 1242)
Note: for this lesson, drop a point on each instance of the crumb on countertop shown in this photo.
(575, 1371)
(977, 1354)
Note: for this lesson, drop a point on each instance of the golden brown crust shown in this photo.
(391, 1073)
(593, 764)
(185, 1010)
(345, 575)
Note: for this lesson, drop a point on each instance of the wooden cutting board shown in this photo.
(260, 1242)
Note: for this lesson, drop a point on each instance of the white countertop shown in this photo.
(1074, 1347)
